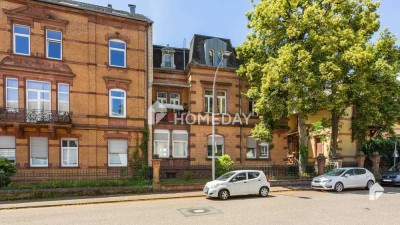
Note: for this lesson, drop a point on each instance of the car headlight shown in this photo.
(326, 181)
(214, 185)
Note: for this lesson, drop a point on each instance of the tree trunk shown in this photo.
(303, 144)
(335, 132)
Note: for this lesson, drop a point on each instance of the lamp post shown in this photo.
(224, 56)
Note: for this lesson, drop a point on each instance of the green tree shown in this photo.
(7, 170)
(223, 165)
(304, 55)
(378, 105)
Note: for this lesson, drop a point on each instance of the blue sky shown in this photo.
(175, 20)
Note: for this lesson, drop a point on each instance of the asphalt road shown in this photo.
(294, 207)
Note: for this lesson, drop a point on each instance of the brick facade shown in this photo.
(85, 67)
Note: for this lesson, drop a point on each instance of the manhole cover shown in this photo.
(199, 211)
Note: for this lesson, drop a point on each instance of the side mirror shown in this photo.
(347, 175)
(234, 180)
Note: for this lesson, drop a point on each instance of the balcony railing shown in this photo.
(34, 116)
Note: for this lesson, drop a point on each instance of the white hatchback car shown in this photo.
(240, 182)
(342, 178)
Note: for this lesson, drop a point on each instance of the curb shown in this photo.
(143, 199)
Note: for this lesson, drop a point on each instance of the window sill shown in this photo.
(117, 67)
(118, 166)
(258, 159)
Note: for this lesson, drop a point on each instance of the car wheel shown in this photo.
(370, 183)
(338, 187)
(264, 191)
(223, 194)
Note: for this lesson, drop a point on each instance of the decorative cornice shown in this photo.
(120, 83)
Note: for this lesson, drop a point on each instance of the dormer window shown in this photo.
(211, 57)
(219, 56)
(168, 58)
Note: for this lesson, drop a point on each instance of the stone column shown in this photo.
(321, 163)
(156, 175)
(376, 159)
(360, 158)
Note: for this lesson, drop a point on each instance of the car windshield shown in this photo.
(226, 176)
(395, 168)
(335, 172)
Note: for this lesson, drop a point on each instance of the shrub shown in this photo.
(223, 165)
(7, 170)
(385, 147)
(188, 175)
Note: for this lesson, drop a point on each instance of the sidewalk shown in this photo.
(119, 198)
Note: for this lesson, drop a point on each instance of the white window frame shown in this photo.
(255, 148)
(180, 141)
(22, 35)
(175, 101)
(69, 148)
(207, 102)
(164, 64)
(120, 98)
(264, 156)
(48, 40)
(220, 99)
(58, 96)
(7, 87)
(168, 141)
(162, 100)
(108, 154)
(30, 154)
(38, 93)
(223, 146)
(116, 49)
(15, 147)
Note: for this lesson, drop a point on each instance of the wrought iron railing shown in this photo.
(34, 116)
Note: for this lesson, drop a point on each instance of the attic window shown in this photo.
(211, 57)
(168, 58)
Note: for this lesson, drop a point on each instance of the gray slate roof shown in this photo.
(98, 9)
(197, 54)
(178, 56)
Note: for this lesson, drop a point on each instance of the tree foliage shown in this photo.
(304, 55)
(223, 165)
(7, 170)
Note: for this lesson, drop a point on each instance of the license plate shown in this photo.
(387, 180)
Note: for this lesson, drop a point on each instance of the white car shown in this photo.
(240, 182)
(342, 178)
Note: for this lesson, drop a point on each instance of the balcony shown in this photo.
(8, 115)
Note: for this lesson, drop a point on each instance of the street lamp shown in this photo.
(224, 56)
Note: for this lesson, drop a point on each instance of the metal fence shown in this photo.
(204, 171)
(78, 176)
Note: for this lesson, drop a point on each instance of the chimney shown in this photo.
(132, 9)
(109, 6)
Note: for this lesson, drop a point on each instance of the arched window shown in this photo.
(219, 144)
(117, 53)
(117, 103)
(211, 57)
(219, 56)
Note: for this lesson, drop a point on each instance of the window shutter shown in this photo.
(251, 142)
(218, 139)
(180, 136)
(7, 142)
(118, 146)
(39, 147)
(161, 136)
